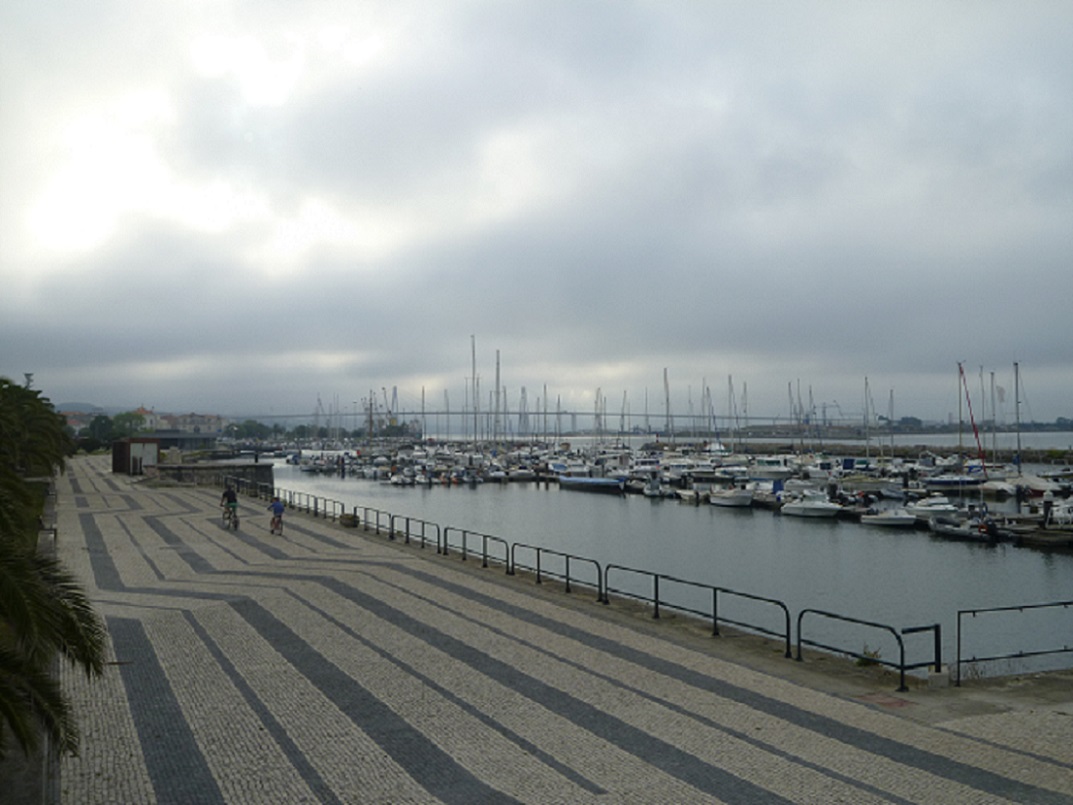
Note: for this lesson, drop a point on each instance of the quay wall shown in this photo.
(213, 474)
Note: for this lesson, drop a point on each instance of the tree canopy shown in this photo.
(43, 610)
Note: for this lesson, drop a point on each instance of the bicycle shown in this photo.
(230, 517)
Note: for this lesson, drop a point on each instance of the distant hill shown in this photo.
(80, 407)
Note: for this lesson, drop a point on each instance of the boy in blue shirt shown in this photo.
(277, 515)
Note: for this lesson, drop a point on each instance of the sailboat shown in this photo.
(959, 479)
(1030, 485)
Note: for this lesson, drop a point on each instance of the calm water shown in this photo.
(897, 577)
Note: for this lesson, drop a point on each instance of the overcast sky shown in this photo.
(239, 207)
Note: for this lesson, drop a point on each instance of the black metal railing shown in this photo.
(874, 657)
(463, 546)
(657, 600)
(541, 569)
(1017, 655)
(374, 520)
(464, 541)
(412, 528)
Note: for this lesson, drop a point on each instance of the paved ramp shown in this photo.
(332, 666)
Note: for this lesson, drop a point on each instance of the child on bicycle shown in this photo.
(277, 515)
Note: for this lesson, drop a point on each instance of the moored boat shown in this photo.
(926, 508)
(891, 518)
(810, 506)
(585, 483)
(732, 497)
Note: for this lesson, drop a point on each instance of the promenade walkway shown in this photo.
(332, 666)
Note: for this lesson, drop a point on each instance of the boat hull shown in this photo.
(581, 483)
(731, 498)
(794, 509)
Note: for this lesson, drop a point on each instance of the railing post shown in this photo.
(938, 648)
(568, 574)
(655, 581)
(901, 662)
(538, 580)
(957, 660)
(800, 615)
(715, 611)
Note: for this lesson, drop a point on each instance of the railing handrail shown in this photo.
(715, 590)
(365, 519)
(961, 613)
(392, 530)
(900, 665)
(485, 539)
(601, 595)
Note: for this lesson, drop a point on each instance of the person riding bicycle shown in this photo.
(230, 500)
(277, 514)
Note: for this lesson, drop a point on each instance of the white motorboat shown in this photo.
(732, 497)
(771, 468)
(926, 508)
(810, 506)
(891, 518)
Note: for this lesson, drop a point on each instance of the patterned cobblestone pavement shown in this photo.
(326, 665)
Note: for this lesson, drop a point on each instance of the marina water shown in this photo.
(897, 577)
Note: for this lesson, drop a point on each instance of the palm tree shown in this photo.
(43, 610)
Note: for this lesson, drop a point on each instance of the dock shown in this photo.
(333, 665)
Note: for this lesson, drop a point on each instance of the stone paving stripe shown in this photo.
(930, 762)
(144, 554)
(105, 572)
(195, 560)
(106, 575)
(425, 762)
(926, 761)
(290, 526)
(740, 735)
(180, 505)
(132, 504)
(525, 744)
(452, 688)
(176, 765)
(669, 759)
(301, 763)
(269, 550)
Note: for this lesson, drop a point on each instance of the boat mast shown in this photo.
(961, 449)
(1017, 409)
(994, 422)
(667, 403)
(890, 421)
(867, 441)
(447, 413)
(473, 379)
(495, 416)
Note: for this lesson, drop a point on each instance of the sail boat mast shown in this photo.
(1017, 410)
